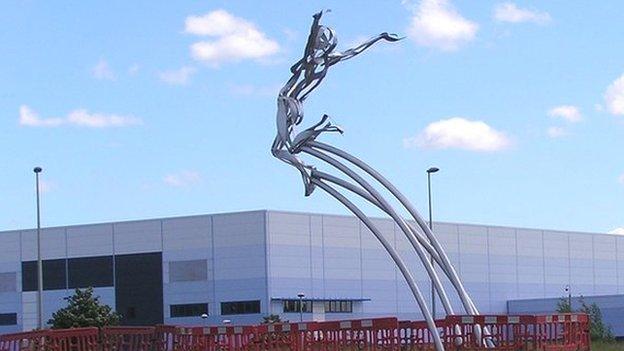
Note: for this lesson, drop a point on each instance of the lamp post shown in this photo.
(300, 296)
(567, 289)
(38, 170)
(429, 171)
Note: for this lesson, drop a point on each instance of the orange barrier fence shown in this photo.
(564, 332)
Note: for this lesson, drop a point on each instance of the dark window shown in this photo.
(338, 306)
(293, 306)
(8, 318)
(54, 275)
(188, 310)
(240, 307)
(87, 272)
(139, 286)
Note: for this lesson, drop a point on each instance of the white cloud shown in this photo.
(556, 132)
(569, 113)
(509, 12)
(178, 76)
(234, 38)
(436, 23)
(621, 178)
(28, 117)
(182, 179)
(617, 231)
(85, 118)
(103, 71)
(79, 117)
(459, 133)
(614, 97)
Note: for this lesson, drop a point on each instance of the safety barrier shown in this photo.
(564, 332)
(127, 338)
(77, 339)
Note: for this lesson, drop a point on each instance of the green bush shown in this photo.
(84, 310)
(597, 329)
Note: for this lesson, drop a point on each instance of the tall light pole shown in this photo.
(38, 170)
(429, 171)
(567, 289)
(300, 296)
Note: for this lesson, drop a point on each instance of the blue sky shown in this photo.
(149, 109)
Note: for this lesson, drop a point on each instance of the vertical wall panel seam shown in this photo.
(489, 267)
(267, 252)
(323, 253)
(114, 260)
(162, 270)
(569, 262)
(517, 269)
(543, 266)
(361, 262)
(458, 251)
(617, 267)
(66, 262)
(214, 268)
(593, 264)
(396, 280)
(312, 292)
(21, 279)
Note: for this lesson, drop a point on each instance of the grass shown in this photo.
(607, 346)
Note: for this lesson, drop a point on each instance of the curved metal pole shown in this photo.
(359, 191)
(406, 230)
(395, 257)
(454, 278)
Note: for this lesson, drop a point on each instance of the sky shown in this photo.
(148, 109)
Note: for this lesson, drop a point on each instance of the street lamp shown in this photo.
(300, 296)
(38, 170)
(433, 304)
(567, 289)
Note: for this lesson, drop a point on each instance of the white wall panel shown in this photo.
(135, 237)
(9, 248)
(90, 240)
(187, 233)
(53, 244)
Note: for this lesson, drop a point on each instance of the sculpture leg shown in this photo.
(400, 222)
(395, 257)
(453, 277)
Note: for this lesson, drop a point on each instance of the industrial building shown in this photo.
(243, 266)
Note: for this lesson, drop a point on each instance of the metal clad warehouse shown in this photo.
(243, 266)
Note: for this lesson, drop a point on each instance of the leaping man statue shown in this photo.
(319, 55)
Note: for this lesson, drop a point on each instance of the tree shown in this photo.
(563, 306)
(84, 310)
(597, 329)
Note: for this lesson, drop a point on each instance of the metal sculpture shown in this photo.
(320, 54)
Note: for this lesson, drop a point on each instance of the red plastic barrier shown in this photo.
(566, 332)
(230, 338)
(291, 336)
(34, 341)
(415, 335)
(164, 337)
(78, 339)
(127, 338)
(562, 332)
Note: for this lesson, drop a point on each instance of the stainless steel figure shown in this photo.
(319, 55)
